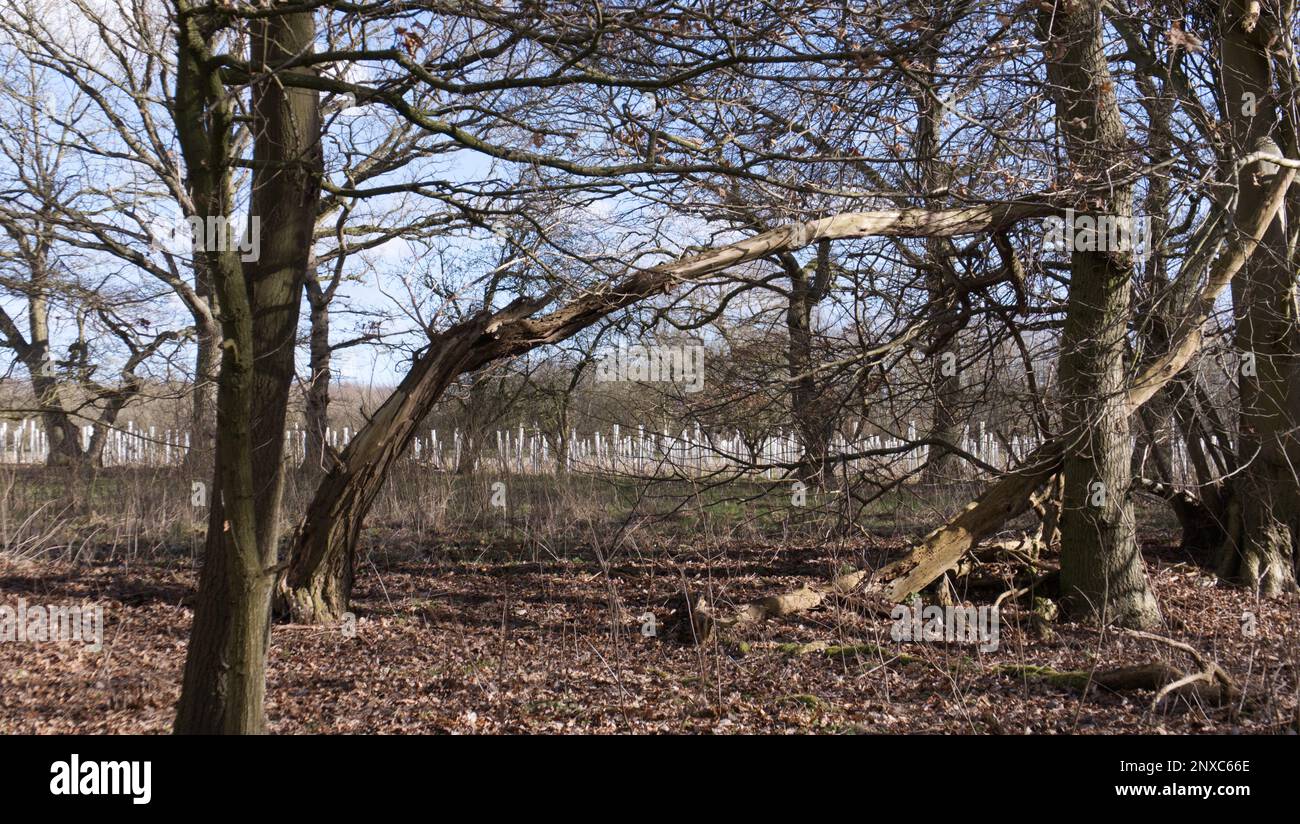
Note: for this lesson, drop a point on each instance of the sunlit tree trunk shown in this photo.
(316, 459)
(1102, 572)
(318, 583)
(225, 668)
(1263, 511)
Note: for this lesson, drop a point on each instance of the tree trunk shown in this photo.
(1102, 573)
(316, 460)
(207, 367)
(318, 583)
(813, 417)
(286, 196)
(1174, 406)
(1259, 549)
(224, 686)
(225, 668)
(1161, 302)
(64, 436)
(944, 378)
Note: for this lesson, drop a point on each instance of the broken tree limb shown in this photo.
(1211, 683)
(524, 334)
(1191, 651)
(697, 621)
(1187, 336)
(324, 547)
(792, 603)
(1011, 494)
(940, 551)
(1049, 513)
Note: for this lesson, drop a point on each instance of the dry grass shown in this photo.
(529, 616)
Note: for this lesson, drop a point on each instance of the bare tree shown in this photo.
(224, 683)
(47, 273)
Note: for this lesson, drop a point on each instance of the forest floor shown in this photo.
(462, 638)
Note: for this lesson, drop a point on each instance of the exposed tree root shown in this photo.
(1209, 684)
(830, 650)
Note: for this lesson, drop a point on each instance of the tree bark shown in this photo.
(945, 383)
(1263, 507)
(225, 668)
(316, 459)
(1102, 572)
(318, 583)
(813, 418)
(63, 434)
(33, 350)
(285, 194)
(207, 367)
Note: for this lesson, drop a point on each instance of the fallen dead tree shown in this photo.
(695, 619)
(317, 586)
